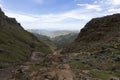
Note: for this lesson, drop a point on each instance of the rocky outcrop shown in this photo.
(49, 67)
(99, 28)
(5, 19)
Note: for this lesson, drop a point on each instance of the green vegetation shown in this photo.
(97, 49)
(16, 44)
(104, 75)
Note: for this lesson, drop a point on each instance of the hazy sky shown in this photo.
(58, 14)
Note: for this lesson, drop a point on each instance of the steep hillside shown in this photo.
(97, 33)
(95, 54)
(16, 44)
(64, 40)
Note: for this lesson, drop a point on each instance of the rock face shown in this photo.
(99, 28)
(4, 19)
(97, 32)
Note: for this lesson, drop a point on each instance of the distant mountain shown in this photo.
(16, 44)
(52, 33)
(63, 40)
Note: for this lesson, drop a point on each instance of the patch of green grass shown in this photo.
(104, 75)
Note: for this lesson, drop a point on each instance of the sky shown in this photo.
(58, 14)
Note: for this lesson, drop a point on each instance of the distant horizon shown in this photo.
(54, 29)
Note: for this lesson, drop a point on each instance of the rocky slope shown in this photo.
(95, 54)
(44, 67)
(16, 44)
(97, 33)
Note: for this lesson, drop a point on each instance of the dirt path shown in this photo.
(55, 67)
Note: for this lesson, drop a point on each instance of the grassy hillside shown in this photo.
(95, 54)
(97, 33)
(16, 44)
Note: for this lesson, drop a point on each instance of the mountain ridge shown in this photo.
(99, 31)
(52, 33)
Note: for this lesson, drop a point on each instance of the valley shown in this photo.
(91, 54)
(60, 39)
